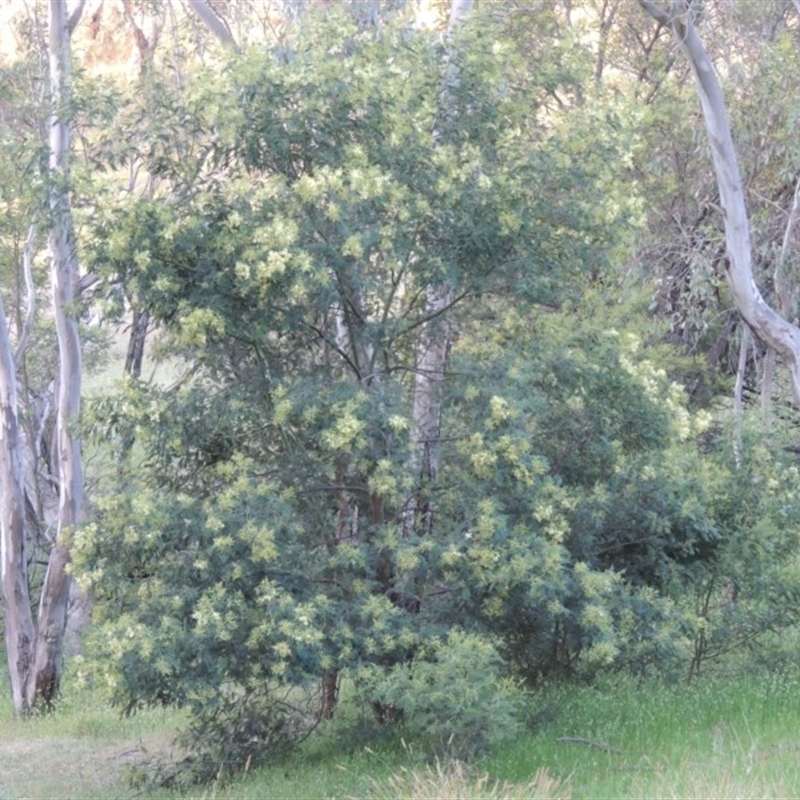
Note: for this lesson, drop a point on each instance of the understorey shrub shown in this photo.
(452, 696)
(229, 734)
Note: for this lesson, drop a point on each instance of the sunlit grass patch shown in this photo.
(734, 770)
(456, 782)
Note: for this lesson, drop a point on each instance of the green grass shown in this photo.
(80, 751)
(722, 738)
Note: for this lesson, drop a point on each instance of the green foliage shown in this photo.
(232, 734)
(587, 495)
(191, 595)
(452, 692)
(290, 272)
(252, 536)
(746, 598)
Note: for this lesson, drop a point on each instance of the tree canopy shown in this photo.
(317, 235)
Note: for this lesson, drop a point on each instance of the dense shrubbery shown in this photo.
(452, 694)
(252, 536)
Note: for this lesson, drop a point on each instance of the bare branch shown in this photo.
(656, 12)
(780, 290)
(75, 17)
(784, 300)
(86, 283)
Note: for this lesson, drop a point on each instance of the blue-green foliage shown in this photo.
(452, 692)
(252, 536)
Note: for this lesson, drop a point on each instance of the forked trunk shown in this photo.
(45, 677)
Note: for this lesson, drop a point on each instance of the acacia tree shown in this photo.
(295, 281)
(767, 324)
(35, 651)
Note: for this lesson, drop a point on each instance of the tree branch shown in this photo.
(215, 24)
(75, 17)
(30, 287)
(656, 12)
(764, 321)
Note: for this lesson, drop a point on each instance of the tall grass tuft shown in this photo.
(454, 781)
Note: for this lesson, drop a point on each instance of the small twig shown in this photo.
(606, 748)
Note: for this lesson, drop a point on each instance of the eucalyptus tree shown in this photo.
(22, 113)
(216, 24)
(35, 651)
(19, 629)
(435, 334)
(773, 329)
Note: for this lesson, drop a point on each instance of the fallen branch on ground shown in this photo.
(606, 748)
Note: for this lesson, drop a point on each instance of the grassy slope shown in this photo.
(81, 751)
(718, 739)
(725, 739)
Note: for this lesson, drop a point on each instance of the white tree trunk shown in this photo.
(433, 347)
(19, 631)
(44, 680)
(30, 292)
(426, 409)
(767, 324)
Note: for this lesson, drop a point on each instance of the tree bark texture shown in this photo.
(784, 298)
(30, 293)
(767, 324)
(19, 630)
(434, 342)
(43, 683)
(426, 409)
(135, 354)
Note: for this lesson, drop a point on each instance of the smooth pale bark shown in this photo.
(19, 630)
(74, 17)
(216, 25)
(738, 394)
(426, 408)
(44, 679)
(766, 323)
(434, 345)
(64, 277)
(30, 293)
